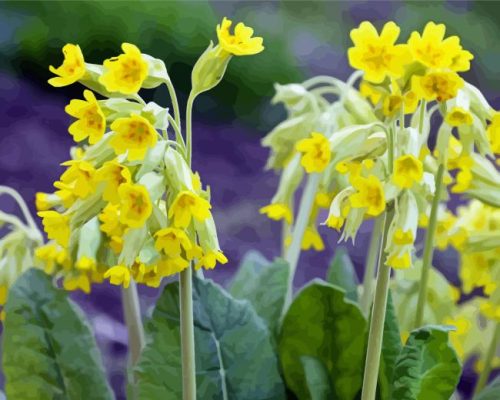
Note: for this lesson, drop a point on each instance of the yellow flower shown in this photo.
(378, 55)
(126, 72)
(371, 92)
(86, 264)
(3, 294)
(407, 170)
(463, 180)
(51, 256)
(118, 275)
(110, 218)
(43, 201)
(493, 132)
(369, 195)
(186, 206)
(195, 252)
(56, 226)
(440, 86)
(78, 179)
(72, 68)
(116, 244)
(277, 211)
(312, 239)
(401, 237)
(210, 259)
(335, 222)
(135, 134)
(135, 204)
(241, 43)
(171, 266)
(323, 199)
(458, 116)
(393, 101)
(402, 261)
(77, 281)
(316, 153)
(170, 240)
(91, 121)
(113, 174)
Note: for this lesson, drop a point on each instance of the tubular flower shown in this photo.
(91, 121)
(171, 240)
(407, 171)
(72, 68)
(186, 206)
(86, 264)
(312, 239)
(118, 275)
(277, 212)
(209, 259)
(378, 55)
(43, 201)
(399, 261)
(112, 174)
(78, 179)
(316, 153)
(110, 218)
(52, 256)
(56, 226)
(135, 205)
(135, 134)
(241, 43)
(171, 266)
(126, 72)
(77, 281)
(458, 116)
(369, 195)
(440, 86)
(493, 132)
(392, 102)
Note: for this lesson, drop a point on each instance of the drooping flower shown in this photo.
(135, 204)
(241, 43)
(43, 201)
(112, 174)
(71, 70)
(134, 134)
(316, 153)
(312, 240)
(493, 132)
(378, 55)
(440, 86)
(171, 266)
(126, 72)
(407, 170)
(172, 241)
(75, 281)
(110, 218)
(186, 206)
(277, 211)
(56, 226)
(369, 195)
(78, 179)
(209, 259)
(86, 264)
(118, 275)
(458, 116)
(91, 121)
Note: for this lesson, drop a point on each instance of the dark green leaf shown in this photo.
(318, 381)
(323, 324)
(264, 284)
(234, 356)
(427, 367)
(49, 351)
(342, 273)
(490, 392)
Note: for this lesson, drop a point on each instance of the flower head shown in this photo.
(135, 204)
(78, 179)
(241, 43)
(135, 134)
(369, 195)
(126, 72)
(277, 211)
(407, 171)
(458, 116)
(113, 174)
(316, 153)
(312, 240)
(377, 54)
(171, 240)
(76, 281)
(71, 70)
(118, 275)
(209, 259)
(110, 221)
(186, 206)
(171, 266)
(56, 226)
(493, 132)
(440, 86)
(91, 121)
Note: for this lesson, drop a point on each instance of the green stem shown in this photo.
(187, 335)
(293, 253)
(429, 247)
(421, 114)
(488, 361)
(371, 263)
(175, 103)
(377, 319)
(189, 134)
(133, 320)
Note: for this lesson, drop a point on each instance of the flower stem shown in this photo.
(175, 103)
(293, 253)
(189, 134)
(132, 311)
(371, 263)
(429, 247)
(485, 373)
(375, 336)
(187, 335)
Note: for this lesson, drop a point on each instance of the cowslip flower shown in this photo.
(440, 86)
(458, 116)
(110, 221)
(171, 241)
(209, 259)
(91, 122)
(369, 195)
(493, 132)
(407, 170)
(378, 55)
(71, 70)
(134, 134)
(76, 281)
(312, 240)
(126, 72)
(112, 174)
(171, 266)
(277, 211)
(316, 153)
(118, 275)
(56, 226)
(241, 43)
(135, 204)
(78, 179)
(187, 205)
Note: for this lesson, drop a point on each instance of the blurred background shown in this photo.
(302, 39)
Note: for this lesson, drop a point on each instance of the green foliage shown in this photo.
(490, 392)
(427, 367)
(49, 351)
(318, 382)
(323, 324)
(264, 284)
(341, 272)
(234, 355)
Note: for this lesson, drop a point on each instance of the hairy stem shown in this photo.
(488, 360)
(175, 103)
(133, 320)
(187, 335)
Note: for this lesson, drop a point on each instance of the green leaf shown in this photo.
(234, 355)
(323, 324)
(49, 351)
(427, 367)
(318, 381)
(490, 392)
(342, 273)
(264, 284)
